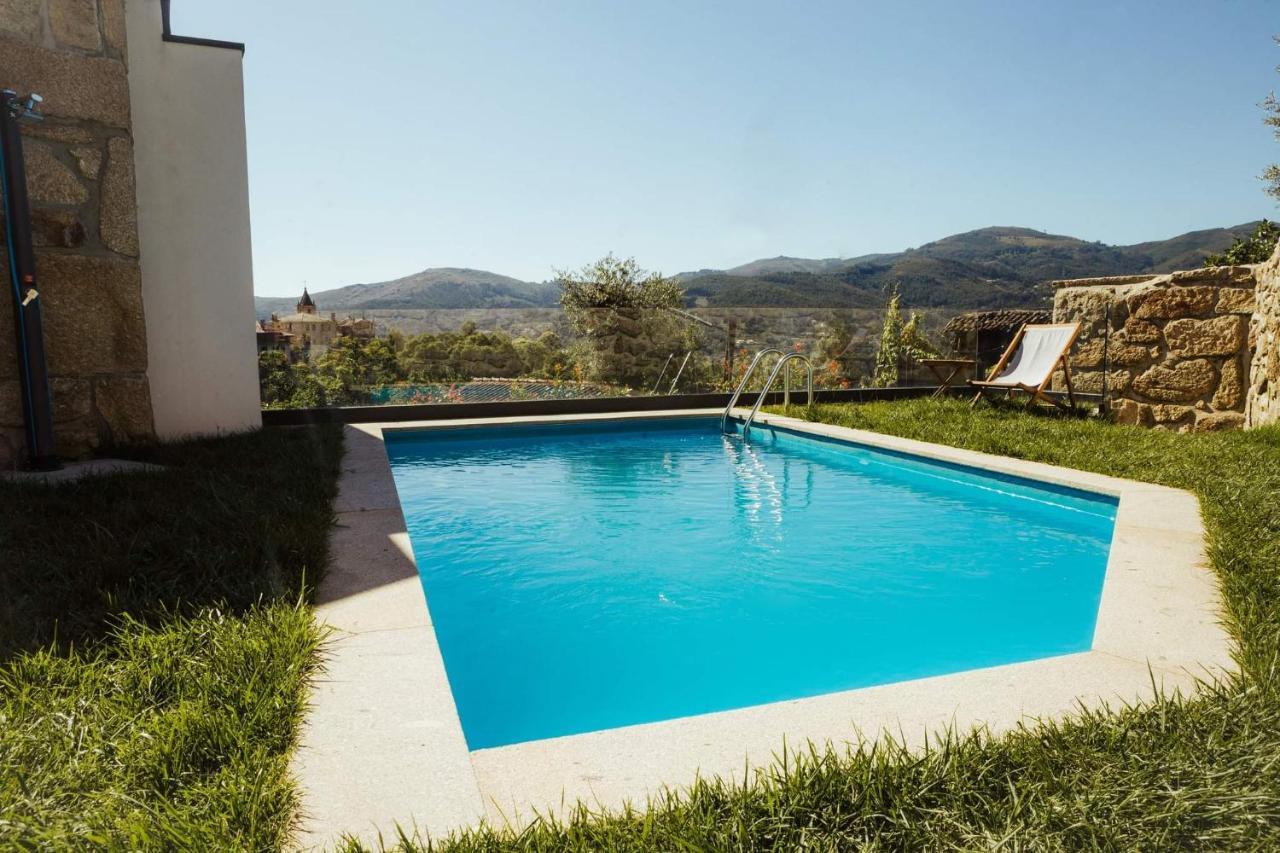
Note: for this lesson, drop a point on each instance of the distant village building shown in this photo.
(308, 330)
(271, 337)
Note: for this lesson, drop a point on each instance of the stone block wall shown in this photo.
(1262, 405)
(80, 172)
(630, 346)
(1174, 348)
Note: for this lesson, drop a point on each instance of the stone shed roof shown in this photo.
(989, 321)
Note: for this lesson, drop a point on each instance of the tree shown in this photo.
(1271, 175)
(425, 358)
(351, 365)
(842, 363)
(890, 351)
(349, 369)
(288, 386)
(610, 286)
(622, 311)
(898, 341)
(544, 357)
(1254, 249)
(275, 378)
(915, 342)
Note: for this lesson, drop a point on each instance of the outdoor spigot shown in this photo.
(20, 109)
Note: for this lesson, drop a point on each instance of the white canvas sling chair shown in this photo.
(1029, 361)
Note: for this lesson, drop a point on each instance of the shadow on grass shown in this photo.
(230, 522)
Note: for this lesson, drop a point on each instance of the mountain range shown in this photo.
(438, 287)
(999, 267)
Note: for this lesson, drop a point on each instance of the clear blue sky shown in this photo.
(520, 137)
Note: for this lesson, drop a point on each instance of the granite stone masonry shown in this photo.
(1194, 350)
(1262, 399)
(84, 218)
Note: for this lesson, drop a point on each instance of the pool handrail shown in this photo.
(746, 377)
(786, 393)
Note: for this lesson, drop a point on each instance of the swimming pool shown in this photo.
(594, 575)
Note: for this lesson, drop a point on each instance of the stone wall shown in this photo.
(631, 346)
(81, 180)
(1262, 405)
(1177, 354)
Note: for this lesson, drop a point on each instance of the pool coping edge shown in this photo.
(1159, 628)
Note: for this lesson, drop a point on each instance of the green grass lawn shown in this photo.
(155, 645)
(1178, 773)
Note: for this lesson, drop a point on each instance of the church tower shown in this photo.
(306, 305)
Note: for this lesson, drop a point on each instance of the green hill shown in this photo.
(997, 267)
(440, 287)
(1001, 267)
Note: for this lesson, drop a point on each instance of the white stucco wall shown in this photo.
(193, 229)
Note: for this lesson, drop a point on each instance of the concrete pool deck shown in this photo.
(383, 743)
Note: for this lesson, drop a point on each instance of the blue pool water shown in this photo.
(582, 577)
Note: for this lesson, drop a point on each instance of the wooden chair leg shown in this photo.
(1066, 375)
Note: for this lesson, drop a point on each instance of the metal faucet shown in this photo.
(28, 110)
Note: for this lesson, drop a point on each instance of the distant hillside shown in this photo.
(988, 268)
(784, 264)
(1189, 250)
(441, 287)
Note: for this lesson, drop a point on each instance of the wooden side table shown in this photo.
(946, 369)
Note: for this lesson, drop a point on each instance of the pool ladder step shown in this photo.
(773, 375)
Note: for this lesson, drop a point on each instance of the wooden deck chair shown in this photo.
(1029, 361)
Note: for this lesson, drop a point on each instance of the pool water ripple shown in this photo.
(600, 575)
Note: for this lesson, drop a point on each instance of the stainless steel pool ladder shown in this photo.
(773, 374)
